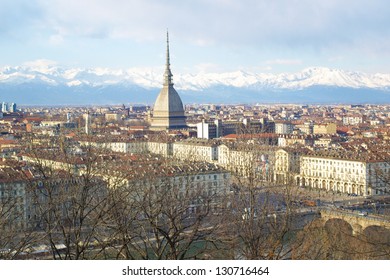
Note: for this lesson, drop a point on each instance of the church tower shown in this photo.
(168, 112)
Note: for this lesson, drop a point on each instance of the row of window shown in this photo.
(334, 162)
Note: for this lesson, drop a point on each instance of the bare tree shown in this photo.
(263, 215)
(335, 240)
(170, 216)
(67, 201)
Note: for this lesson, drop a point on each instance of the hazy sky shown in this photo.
(206, 35)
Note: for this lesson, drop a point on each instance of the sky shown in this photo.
(270, 36)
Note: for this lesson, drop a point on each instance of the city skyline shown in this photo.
(222, 36)
(234, 172)
(268, 140)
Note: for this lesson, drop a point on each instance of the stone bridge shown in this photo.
(357, 222)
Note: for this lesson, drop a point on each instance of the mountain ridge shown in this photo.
(33, 81)
(311, 76)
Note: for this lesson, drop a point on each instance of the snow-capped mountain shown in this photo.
(46, 77)
(316, 76)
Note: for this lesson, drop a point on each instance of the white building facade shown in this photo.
(360, 177)
(195, 151)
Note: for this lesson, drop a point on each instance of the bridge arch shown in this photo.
(357, 222)
(340, 224)
(377, 233)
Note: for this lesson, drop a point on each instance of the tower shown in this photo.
(168, 112)
(87, 123)
(4, 107)
(68, 117)
(13, 107)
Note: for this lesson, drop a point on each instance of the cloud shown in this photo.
(40, 65)
(295, 28)
(284, 62)
(18, 16)
(336, 58)
(207, 67)
(56, 39)
(286, 23)
(101, 18)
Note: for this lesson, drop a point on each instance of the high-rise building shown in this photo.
(209, 130)
(206, 130)
(13, 107)
(4, 107)
(68, 117)
(168, 112)
(87, 118)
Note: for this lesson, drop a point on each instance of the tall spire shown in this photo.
(168, 111)
(168, 73)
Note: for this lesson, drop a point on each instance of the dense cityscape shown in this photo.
(194, 139)
(199, 181)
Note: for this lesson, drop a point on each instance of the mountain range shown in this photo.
(46, 84)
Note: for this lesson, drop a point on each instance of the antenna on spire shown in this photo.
(168, 62)
(168, 73)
